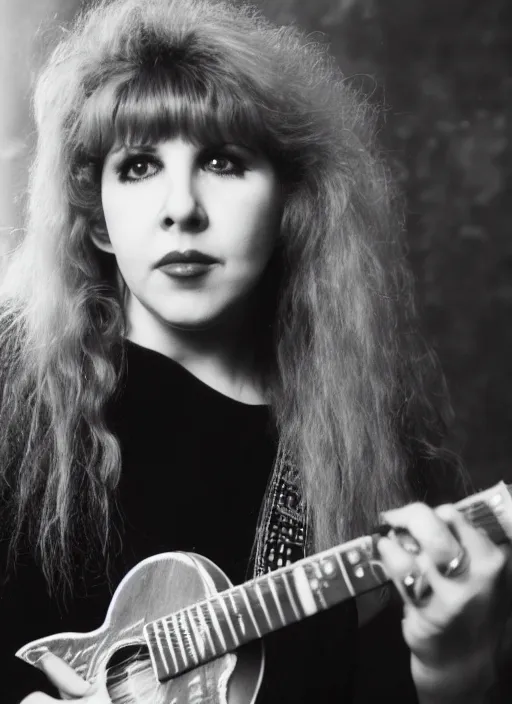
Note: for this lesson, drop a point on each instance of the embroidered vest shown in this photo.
(283, 533)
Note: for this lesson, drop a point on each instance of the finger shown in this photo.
(401, 567)
(432, 533)
(404, 539)
(63, 676)
(481, 550)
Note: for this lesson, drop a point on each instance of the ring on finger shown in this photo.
(417, 589)
(456, 566)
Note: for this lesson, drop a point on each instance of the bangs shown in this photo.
(154, 105)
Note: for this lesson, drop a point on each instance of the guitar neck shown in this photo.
(231, 618)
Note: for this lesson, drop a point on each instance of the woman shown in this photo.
(211, 285)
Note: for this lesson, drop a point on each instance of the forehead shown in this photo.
(147, 109)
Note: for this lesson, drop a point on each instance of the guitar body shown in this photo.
(116, 653)
(177, 632)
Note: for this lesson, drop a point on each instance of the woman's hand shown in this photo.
(69, 684)
(455, 584)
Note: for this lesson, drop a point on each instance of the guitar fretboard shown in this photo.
(231, 618)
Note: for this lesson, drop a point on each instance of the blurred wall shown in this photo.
(442, 71)
(26, 28)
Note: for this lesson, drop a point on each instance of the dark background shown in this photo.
(441, 70)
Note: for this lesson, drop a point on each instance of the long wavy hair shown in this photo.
(352, 386)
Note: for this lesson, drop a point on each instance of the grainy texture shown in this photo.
(155, 589)
(442, 71)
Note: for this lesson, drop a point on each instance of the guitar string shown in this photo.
(487, 519)
(482, 514)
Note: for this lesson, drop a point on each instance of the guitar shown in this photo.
(178, 632)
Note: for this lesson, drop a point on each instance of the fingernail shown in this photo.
(406, 541)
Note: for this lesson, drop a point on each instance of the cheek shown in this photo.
(114, 212)
(123, 220)
(257, 225)
(267, 230)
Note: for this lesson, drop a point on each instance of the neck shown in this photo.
(222, 355)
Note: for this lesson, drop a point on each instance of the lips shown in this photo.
(191, 256)
(187, 264)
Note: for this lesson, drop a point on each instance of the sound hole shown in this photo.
(130, 677)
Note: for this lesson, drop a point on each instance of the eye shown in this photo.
(224, 165)
(137, 168)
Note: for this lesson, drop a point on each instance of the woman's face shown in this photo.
(192, 229)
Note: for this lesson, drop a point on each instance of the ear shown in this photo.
(100, 238)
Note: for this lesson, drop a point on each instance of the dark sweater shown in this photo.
(195, 465)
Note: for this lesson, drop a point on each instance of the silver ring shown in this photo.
(409, 582)
(456, 566)
(417, 588)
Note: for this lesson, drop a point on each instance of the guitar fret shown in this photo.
(236, 612)
(160, 648)
(206, 629)
(344, 572)
(276, 599)
(261, 599)
(490, 509)
(199, 642)
(181, 645)
(292, 601)
(317, 581)
(170, 644)
(480, 513)
(217, 627)
(228, 620)
(250, 611)
(189, 643)
(304, 591)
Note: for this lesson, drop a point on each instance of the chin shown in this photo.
(191, 326)
(195, 318)
(192, 323)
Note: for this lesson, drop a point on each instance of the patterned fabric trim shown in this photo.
(282, 535)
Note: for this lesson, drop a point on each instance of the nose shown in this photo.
(181, 204)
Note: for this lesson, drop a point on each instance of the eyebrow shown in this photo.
(238, 145)
(153, 149)
(149, 148)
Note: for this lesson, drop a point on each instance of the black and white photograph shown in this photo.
(255, 351)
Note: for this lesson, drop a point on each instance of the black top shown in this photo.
(195, 465)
